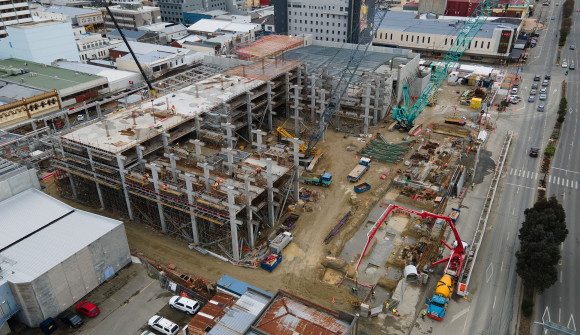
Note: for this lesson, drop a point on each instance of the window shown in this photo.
(488, 43)
(411, 38)
(445, 41)
(428, 39)
(407, 38)
(423, 41)
(401, 37)
(475, 44)
(451, 41)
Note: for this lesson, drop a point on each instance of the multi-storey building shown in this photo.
(132, 15)
(13, 12)
(172, 10)
(326, 20)
(77, 16)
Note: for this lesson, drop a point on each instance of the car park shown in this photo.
(71, 319)
(540, 108)
(533, 91)
(537, 77)
(187, 305)
(88, 309)
(543, 97)
(534, 152)
(163, 325)
(532, 98)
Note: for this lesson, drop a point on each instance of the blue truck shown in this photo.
(360, 169)
(270, 262)
(360, 188)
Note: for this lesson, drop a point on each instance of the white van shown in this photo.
(184, 304)
(163, 325)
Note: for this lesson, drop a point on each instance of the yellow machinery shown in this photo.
(303, 148)
(444, 286)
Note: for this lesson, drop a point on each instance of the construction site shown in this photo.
(225, 165)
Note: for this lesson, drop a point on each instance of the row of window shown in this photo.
(93, 45)
(169, 7)
(316, 22)
(9, 2)
(100, 54)
(386, 36)
(291, 5)
(317, 30)
(312, 15)
(332, 39)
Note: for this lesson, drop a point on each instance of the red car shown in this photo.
(88, 309)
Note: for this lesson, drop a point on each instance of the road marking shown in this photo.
(519, 171)
(560, 282)
(555, 168)
(558, 182)
(535, 176)
(576, 185)
(549, 179)
(567, 180)
(487, 273)
(494, 298)
(511, 171)
(501, 269)
(513, 211)
(508, 237)
(516, 185)
(460, 314)
(573, 326)
(559, 314)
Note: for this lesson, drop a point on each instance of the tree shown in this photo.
(542, 232)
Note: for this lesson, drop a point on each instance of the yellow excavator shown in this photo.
(303, 149)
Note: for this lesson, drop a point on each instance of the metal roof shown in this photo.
(237, 287)
(46, 232)
(409, 23)
(13, 91)
(131, 34)
(239, 317)
(207, 316)
(65, 10)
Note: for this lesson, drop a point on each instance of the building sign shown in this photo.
(504, 41)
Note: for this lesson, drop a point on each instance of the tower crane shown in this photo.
(406, 115)
(348, 73)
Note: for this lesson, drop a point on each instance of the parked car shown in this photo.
(545, 82)
(543, 97)
(184, 304)
(535, 85)
(163, 325)
(543, 90)
(534, 152)
(537, 77)
(514, 90)
(87, 308)
(540, 108)
(532, 98)
(71, 319)
(533, 91)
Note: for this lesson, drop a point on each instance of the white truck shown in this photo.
(280, 242)
(362, 167)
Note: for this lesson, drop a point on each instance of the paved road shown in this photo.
(494, 287)
(561, 300)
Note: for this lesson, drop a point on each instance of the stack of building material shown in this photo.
(380, 150)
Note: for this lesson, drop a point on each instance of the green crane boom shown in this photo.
(406, 115)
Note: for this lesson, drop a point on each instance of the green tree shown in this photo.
(542, 232)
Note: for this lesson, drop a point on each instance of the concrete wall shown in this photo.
(65, 284)
(406, 74)
(22, 180)
(433, 6)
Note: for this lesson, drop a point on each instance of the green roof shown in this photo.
(44, 76)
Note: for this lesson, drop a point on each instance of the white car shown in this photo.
(163, 325)
(564, 64)
(514, 90)
(184, 304)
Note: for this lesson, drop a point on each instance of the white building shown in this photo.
(118, 79)
(245, 32)
(77, 16)
(41, 42)
(435, 37)
(166, 32)
(326, 20)
(132, 15)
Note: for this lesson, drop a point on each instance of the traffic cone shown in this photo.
(333, 299)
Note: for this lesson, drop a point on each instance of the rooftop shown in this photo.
(144, 48)
(65, 10)
(210, 313)
(10, 92)
(130, 34)
(187, 103)
(408, 22)
(110, 74)
(270, 45)
(212, 26)
(240, 316)
(45, 76)
(264, 70)
(38, 24)
(28, 237)
(237, 287)
(288, 315)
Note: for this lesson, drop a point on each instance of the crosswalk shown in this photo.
(554, 180)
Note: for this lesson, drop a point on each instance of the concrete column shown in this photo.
(230, 163)
(297, 108)
(122, 172)
(189, 179)
(296, 153)
(155, 180)
(366, 104)
(95, 176)
(270, 104)
(33, 124)
(270, 186)
(165, 138)
(312, 97)
(287, 95)
(299, 72)
(258, 143)
(233, 209)
(198, 144)
(229, 133)
(173, 161)
(198, 120)
(249, 209)
(99, 113)
(206, 169)
(140, 159)
(73, 187)
(378, 88)
(66, 120)
(249, 111)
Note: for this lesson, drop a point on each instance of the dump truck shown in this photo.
(324, 179)
(437, 305)
(270, 262)
(280, 242)
(360, 188)
(362, 167)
